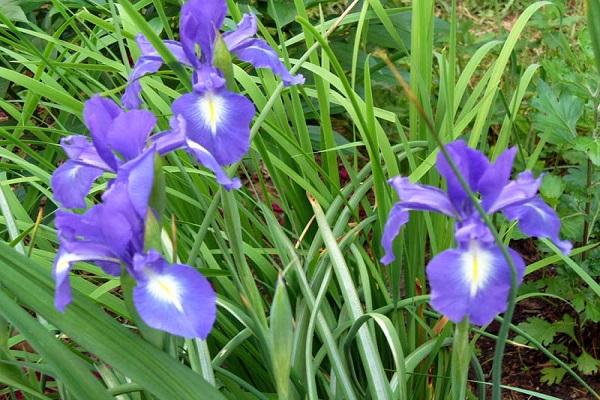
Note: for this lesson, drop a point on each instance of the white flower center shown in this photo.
(477, 265)
(213, 110)
(166, 289)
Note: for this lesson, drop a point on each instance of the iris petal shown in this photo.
(496, 177)
(472, 282)
(174, 298)
(81, 150)
(412, 197)
(219, 121)
(199, 23)
(68, 255)
(246, 29)
(99, 113)
(129, 132)
(537, 219)
(472, 165)
(207, 159)
(258, 53)
(518, 191)
(143, 66)
(71, 183)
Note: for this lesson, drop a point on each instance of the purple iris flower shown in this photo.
(211, 122)
(473, 280)
(174, 298)
(199, 25)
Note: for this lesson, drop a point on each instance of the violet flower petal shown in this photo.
(397, 217)
(471, 163)
(496, 177)
(199, 23)
(71, 183)
(80, 149)
(518, 191)
(246, 29)
(173, 298)
(258, 53)
(412, 197)
(145, 65)
(129, 132)
(537, 219)
(472, 282)
(205, 158)
(66, 257)
(219, 121)
(99, 113)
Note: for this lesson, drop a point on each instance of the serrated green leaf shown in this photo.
(557, 117)
(540, 329)
(587, 364)
(591, 147)
(552, 375)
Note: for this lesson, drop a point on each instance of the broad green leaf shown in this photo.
(12, 10)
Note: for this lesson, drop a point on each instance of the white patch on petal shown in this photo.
(74, 171)
(213, 110)
(64, 262)
(477, 265)
(165, 288)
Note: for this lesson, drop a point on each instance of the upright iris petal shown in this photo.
(174, 298)
(474, 279)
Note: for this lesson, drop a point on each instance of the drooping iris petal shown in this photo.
(521, 190)
(98, 114)
(145, 65)
(150, 62)
(496, 177)
(69, 254)
(207, 159)
(396, 219)
(258, 53)
(174, 47)
(537, 219)
(129, 132)
(246, 29)
(472, 282)
(174, 298)
(219, 121)
(421, 197)
(199, 23)
(71, 183)
(471, 164)
(81, 150)
(170, 140)
(102, 224)
(412, 197)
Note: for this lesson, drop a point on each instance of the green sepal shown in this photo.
(223, 61)
(152, 233)
(158, 197)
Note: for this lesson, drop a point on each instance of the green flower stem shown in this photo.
(461, 356)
